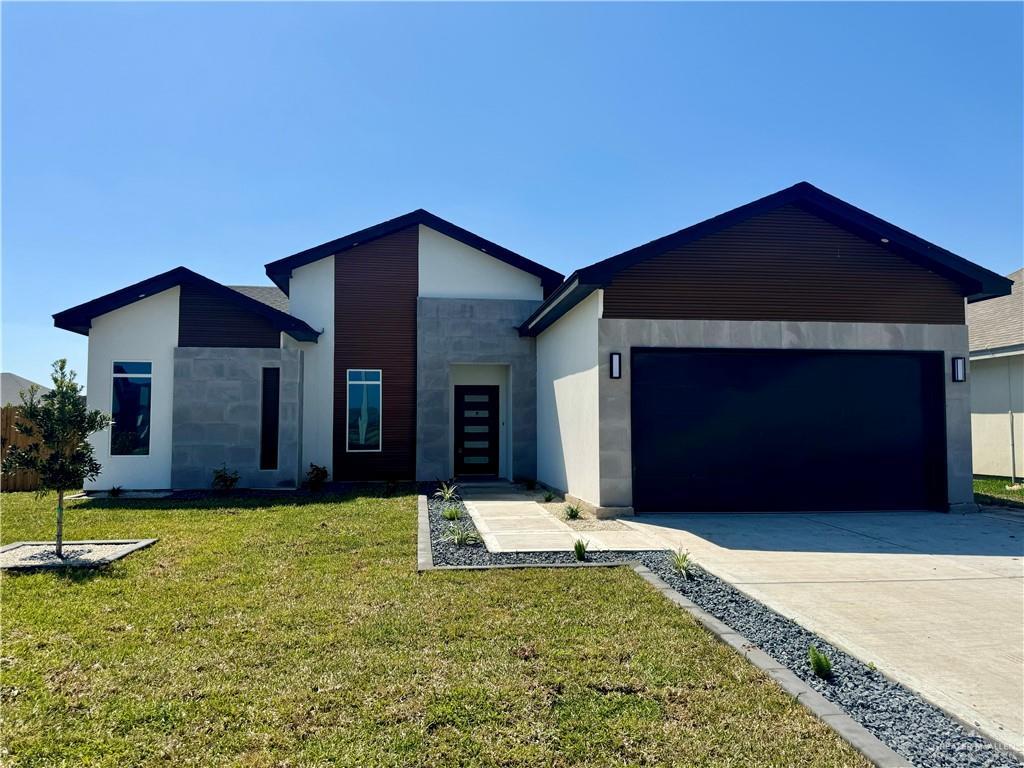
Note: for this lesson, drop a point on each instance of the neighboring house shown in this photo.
(997, 382)
(794, 353)
(12, 385)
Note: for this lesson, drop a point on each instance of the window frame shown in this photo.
(380, 386)
(110, 430)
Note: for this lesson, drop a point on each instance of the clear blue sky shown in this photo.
(137, 137)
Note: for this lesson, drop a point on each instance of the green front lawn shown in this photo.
(301, 634)
(994, 492)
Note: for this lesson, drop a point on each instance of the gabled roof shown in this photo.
(280, 271)
(998, 325)
(79, 319)
(976, 282)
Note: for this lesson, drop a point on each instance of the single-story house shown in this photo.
(996, 331)
(794, 353)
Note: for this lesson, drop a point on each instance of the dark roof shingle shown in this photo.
(998, 322)
(270, 295)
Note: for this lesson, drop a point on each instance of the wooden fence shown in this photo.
(16, 481)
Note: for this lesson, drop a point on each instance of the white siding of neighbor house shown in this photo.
(311, 298)
(449, 269)
(144, 331)
(997, 387)
(567, 402)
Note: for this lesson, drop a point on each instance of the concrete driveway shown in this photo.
(935, 601)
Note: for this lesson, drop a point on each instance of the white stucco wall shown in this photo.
(997, 387)
(449, 269)
(144, 331)
(567, 402)
(311, 298)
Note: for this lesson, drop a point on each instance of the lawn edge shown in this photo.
(129, 546)
(424, 552)
(836, 718)
(852, 732)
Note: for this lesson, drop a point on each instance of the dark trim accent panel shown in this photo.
(376, 285)
(79, 319)
(270, 416)
(787, 264)
(280, 271)
(205, 319)
(974, 282)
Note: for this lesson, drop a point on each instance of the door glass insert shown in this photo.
(476, 429)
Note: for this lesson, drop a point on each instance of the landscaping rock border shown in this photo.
(899, 719)
(39, 555)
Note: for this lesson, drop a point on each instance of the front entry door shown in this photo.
(476, 430)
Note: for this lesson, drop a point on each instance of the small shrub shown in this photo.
(447, 492)
(820, 664)
(548, 497)
(461, 535)
(682, 564)
(316, 477)
(573, 512)
(579, 549)
(114, 492)
(451, 513)
(224, 479)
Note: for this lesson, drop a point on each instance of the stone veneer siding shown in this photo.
(216, 416)
(459, 331)
(616, 467)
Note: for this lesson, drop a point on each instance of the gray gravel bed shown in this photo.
(905, 722)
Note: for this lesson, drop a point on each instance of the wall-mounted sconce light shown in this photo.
(959, 369)
(616, 365)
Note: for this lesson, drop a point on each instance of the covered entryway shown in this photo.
(480, 447)
(787, 430)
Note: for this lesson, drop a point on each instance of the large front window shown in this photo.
(130, 409)
(364, 404)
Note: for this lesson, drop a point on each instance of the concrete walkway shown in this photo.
(935, 601)
(511, 520)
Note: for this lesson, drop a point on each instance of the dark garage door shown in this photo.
(787, 430)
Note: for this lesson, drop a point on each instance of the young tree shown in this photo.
(59, 424)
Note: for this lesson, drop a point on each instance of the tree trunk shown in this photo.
(60, 524)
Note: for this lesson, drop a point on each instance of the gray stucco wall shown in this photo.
(622, 335)
(458, 331)
(216, 416)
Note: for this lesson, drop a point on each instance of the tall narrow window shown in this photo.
(364, 411)
(130, 405)
(270, 417)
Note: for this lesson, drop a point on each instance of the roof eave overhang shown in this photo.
(1007, 350)
(78, 319)
(280, 271)
(568, 295)
(975, 282)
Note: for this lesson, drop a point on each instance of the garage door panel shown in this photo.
(787, 430)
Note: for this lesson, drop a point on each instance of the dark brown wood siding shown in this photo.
(207, 320)
(375, 289)
(784, 265)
